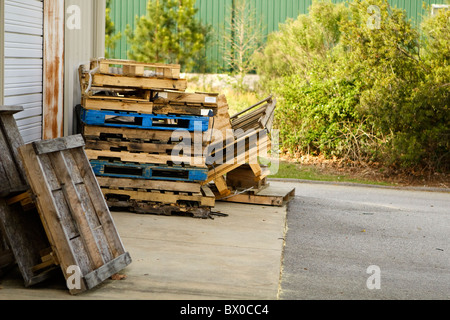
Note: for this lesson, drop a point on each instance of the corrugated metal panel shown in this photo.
(215, 13)
(23, 53)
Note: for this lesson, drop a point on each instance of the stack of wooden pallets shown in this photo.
(145, 137)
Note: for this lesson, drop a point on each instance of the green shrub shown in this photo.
(352, 90)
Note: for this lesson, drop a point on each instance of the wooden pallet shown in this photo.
(127, 105)
(137, 69)
(22, 226)
(98, 80)
(12, 180)
(204, 198)
(142, 207)
(73, 211)
(185, 98)
(148, 171)
(141, 136)
(258, 116)
(144, 121)
(268, 196)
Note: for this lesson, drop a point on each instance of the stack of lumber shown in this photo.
(52, 212)
(144, 137)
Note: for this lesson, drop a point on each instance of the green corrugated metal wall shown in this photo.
(214, 12)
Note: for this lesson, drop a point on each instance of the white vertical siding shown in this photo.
(23, 64)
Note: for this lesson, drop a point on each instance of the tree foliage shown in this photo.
(111, 37)
(352, 88)
(168, 33)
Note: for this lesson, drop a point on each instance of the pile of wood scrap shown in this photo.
(135, 118)
(144, 137)
(52, 212)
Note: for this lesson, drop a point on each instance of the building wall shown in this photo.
(84, 40)
(216, 12)
(22, 81)
(32, 45)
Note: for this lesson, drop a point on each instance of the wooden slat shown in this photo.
(77, 209)
(141, 83)
(48, 211)
(59, 144)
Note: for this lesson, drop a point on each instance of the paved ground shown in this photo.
(335, 233)
(176, 258)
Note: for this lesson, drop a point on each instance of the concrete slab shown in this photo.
(178, 258)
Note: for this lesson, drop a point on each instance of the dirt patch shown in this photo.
(372, 172)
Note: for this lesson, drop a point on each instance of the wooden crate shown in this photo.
(12, 180)
(73, 210)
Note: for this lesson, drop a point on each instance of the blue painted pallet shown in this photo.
(106, 168)
(144, 121)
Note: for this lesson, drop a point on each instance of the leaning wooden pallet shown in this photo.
(19, 221)
(73, 210)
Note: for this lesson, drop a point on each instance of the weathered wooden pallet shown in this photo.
(104, 168)
(19, 221)
(269, 196)
(125, 105)
(22, 226)
(118, 103)
(112, 144)
(74, 213)
(12, 180)
(147, 158)
(141, 136)
(204, 198)
(142, 207)
(260, 118)
(123, 81)
(144, 121)
(138, 69)
(185, 98)
(142, 184)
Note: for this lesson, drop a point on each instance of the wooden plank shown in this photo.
(59, 144)
(93, 103)
(106, 271)
(12, 179)
(77, 208)
(222, 186)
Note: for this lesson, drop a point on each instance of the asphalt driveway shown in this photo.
(353, 242)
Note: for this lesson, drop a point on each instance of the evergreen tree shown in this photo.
(111, 37)
(168, 33)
